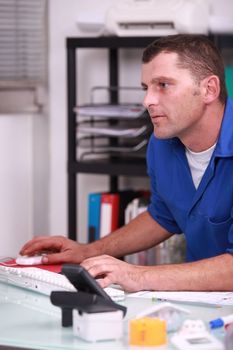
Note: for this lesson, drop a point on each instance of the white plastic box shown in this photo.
(98, 326)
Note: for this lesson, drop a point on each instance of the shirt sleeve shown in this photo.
(157, 208)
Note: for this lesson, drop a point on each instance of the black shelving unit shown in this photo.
(114, 167)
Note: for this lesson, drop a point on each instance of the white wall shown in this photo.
(16, 186)
(222, 8)
(23, 180)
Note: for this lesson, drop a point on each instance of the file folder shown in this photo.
(109, 214)
(94, 204)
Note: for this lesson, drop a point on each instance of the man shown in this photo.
(190, 166)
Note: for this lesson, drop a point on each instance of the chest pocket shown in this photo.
(206, 238)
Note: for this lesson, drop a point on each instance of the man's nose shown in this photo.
(150, 99)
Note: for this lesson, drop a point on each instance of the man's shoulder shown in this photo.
(229, 106)
(159, 150)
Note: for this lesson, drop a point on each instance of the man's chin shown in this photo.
(159, 134)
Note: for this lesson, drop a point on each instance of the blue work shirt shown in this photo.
(205, 214)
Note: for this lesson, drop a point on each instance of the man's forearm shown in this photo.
(208, 274)
(141, 233)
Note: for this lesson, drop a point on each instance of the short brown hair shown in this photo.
(196, 53)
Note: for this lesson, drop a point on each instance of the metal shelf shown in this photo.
(109, 42)
(113, 167)
(110, 167)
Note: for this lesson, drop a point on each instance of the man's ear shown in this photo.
(210, 88)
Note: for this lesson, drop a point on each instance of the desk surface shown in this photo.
(28, 320)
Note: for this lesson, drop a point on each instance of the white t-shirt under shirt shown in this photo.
(198, 162)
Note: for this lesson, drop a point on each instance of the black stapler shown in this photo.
(89, 298)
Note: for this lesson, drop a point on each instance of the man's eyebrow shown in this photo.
(156, 80)
(162, 77)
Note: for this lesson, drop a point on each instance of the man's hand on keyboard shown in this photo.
(59, 249)
(112, 270)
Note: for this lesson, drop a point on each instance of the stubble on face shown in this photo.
(183, 120)
(174, 110)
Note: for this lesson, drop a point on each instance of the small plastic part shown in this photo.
(216, 323)
(147, 332)
(98, 326)
(173, 315)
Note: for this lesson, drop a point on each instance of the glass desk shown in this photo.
(29, 321)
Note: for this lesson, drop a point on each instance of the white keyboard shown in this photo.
(43, 281)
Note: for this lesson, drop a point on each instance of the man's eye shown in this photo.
(163, 85)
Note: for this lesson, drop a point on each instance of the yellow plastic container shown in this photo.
(147, 332)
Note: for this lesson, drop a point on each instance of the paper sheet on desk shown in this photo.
(214, 298)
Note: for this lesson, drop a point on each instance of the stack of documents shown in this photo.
(111, 110)
(110, 129)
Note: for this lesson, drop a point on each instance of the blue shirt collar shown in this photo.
(224, 147)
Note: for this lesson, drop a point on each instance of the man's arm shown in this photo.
(213, 274)
(141, 233)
